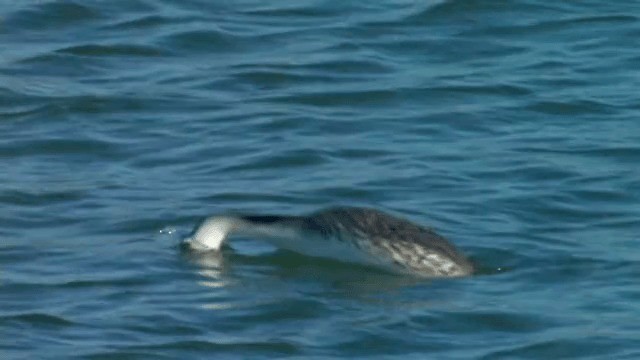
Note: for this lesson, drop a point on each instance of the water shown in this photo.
(512, 128)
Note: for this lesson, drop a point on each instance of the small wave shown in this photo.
(203, 41)
(144, 22)
(59, 147)
(212, 348)
(53, 15)
(113, 50)
(573, 107)
(568, 346)
(301, 158)
(38, 319)
(21, 197)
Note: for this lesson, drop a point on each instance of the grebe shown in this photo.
(360, 235)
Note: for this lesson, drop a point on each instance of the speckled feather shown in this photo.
(414, 247)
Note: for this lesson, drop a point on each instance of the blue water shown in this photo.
(513, 128)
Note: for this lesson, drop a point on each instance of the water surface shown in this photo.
(512, 128)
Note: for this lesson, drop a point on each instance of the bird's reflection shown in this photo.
(285, 274)
(211, 267)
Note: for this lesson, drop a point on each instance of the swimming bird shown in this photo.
(349, 234)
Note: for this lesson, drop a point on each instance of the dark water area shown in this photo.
(513, 128)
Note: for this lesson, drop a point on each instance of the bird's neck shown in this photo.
(214, 231)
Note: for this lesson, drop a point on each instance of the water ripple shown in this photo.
(48, 15)
(112, 50)
(37, 320)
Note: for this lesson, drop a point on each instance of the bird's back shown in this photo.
(411, 246)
